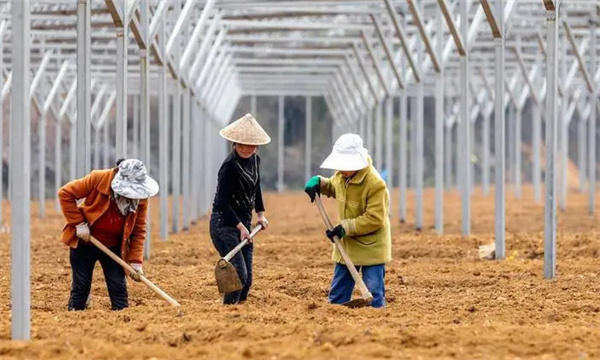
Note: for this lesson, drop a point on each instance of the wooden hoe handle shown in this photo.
(242, 244)
(364, 291)
(128, 267)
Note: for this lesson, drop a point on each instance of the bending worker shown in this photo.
(363, 207)
(114, 212)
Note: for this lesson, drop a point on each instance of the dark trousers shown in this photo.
(225, 238)
(83, 259)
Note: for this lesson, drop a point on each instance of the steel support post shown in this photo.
(199, 120)
(551, 137)
(465, 125)
(280, 144)
(9, 192)
(517, 150)
(592, 124)
(412, 176)
(307, 139)
(457, 157)
(379, 137)
(20, 134)
(419, 143)
(389, 142)
(163, 136)
(403, 156)
(207, 155)
(105, 144)
(472, 140)
(370, 128)
(510, 121)
(84, 87)
(500, 137)
(439, 129)
(193, 160)
(144, 114)
(176, 151)
(563, 151)
(136, 126)
(562, 135)
(195, 173)
(121, 83)
(253, 106)
(485, 161)
(186, 158)
(581, 147)
(537, 144)
(176, 132)
(72, 150)
(97, 148)
(448, 156)
(42, 163)
(57, 157)
(2, 130)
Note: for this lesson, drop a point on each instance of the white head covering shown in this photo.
(348, 154)
(132, 180)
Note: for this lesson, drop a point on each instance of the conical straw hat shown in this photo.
(245, 130)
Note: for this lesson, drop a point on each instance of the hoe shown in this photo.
(126, 266)
(365, 293)
(225, 273)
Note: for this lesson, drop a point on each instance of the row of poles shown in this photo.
(339, 102)
(196, 150)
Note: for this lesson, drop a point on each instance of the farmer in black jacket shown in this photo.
(238, 193)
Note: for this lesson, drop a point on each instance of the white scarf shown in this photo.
(126, 205)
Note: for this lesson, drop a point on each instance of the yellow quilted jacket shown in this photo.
(363, 205)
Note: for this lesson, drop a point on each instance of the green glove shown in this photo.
(313, 187)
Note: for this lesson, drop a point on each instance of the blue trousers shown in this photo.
(342, 284)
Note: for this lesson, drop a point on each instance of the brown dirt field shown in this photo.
(443, 301)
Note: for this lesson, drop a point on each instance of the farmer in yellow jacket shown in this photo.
(363, 206)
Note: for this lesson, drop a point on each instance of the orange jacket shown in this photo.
(95, 188)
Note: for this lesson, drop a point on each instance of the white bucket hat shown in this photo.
(245, 130)
(348, 154)
(132, 180)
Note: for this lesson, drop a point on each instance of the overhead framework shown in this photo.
(85, 65)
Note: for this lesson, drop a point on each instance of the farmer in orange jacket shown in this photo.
(114, 212)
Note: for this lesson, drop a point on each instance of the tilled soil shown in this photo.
(443, 302)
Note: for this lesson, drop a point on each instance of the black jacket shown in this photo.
(238, 190)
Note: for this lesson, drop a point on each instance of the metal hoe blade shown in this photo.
(356, 303)
(227, 277)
